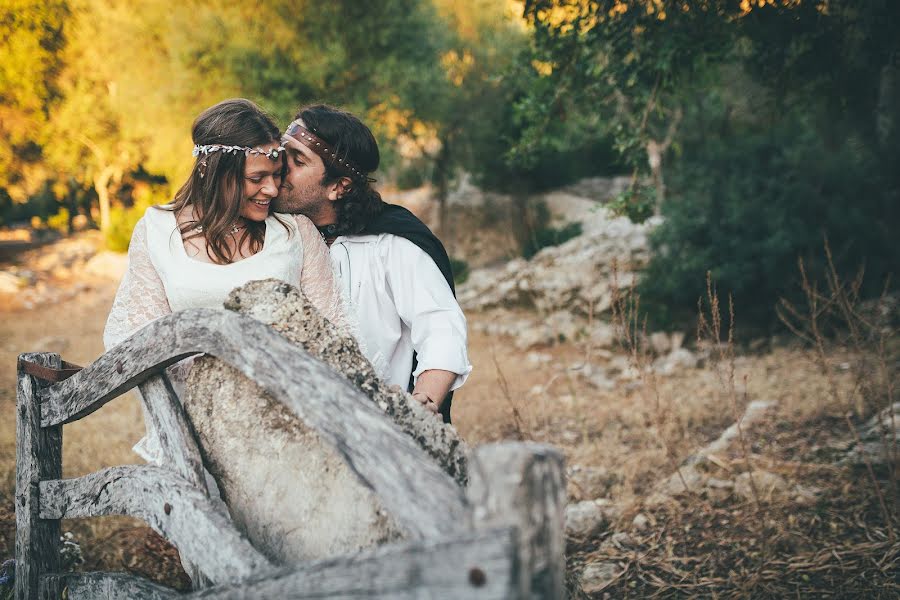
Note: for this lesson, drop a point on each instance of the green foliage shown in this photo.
(31, 36)
(637, 203)
(541, 235)
(544, 237)
(460, 270)
(60, 221)
(745, 206)
(123, 219)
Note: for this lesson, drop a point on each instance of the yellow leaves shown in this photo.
(543, 68)
(457, 65)
(412, 137)
(748, 5)
(619, 8)
(563, 17)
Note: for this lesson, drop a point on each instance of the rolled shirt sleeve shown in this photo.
(427, 307)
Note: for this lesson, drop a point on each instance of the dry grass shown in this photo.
(700, 544)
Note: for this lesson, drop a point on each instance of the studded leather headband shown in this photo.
(322, 148)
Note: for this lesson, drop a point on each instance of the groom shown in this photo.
(394, 273)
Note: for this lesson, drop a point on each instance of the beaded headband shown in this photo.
(272, 154)
(321, 147)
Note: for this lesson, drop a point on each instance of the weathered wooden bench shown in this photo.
(502, 537)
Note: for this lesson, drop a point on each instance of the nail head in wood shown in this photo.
(119, 368)
(167, 508)
(477, 577)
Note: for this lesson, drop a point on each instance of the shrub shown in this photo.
(637, 203)
(544, 237)
(746, 207)
(60, 221)
(123, 219)
(460, 270)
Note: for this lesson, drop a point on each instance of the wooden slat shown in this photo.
(473, 566)
(176, 439)
(104, 586)
(476, 566)
(176, 509)
(38, 457)
(178, 446)
(417, 493)
(522, 485)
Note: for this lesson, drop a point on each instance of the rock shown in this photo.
(622, 540)
(640, 522)
(881, 428)
(660, 342)
(676, 360)
(768, 485)
(538, 358)
(286, 489)
(575, 276)
(806, 495)
(9, 283)
(597, 576)
(586, 482)
(586, 518)
(603, 335)
(107, 265)
(531, 337)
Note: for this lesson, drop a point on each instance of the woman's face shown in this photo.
(262, 177)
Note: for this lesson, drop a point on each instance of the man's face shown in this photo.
(302, 190)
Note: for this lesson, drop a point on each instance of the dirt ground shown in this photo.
(636, 434)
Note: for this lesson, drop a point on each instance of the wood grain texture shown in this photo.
(176, 439)
(472, 566)
(104, 586)
(179, 511)
(38, 457)
(177, 444)
(426, 502)
(522, 485)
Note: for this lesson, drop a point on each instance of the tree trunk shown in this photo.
(441, 179)
(101, 185)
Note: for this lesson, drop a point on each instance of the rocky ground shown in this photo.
(667, 495)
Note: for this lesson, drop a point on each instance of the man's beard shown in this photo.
(307, 201)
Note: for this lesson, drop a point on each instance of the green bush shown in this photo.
(60, 221)
(638, 204)
(549, 236)
(460, 269)
(746, 207)
(124, 218)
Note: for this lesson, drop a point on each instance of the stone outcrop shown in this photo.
(286, 488)
(576, 276)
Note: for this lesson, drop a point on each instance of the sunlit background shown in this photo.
(710, 147)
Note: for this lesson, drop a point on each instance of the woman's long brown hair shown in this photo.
(215, 188)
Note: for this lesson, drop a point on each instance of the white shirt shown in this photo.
(401, 303)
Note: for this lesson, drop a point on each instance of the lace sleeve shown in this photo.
(317, 277)
(141, 297)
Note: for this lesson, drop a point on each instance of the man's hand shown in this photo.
(432, 387)
(429, 403)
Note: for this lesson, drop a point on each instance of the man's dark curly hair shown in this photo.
(352, 141)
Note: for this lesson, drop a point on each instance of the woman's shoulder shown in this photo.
(159, 213)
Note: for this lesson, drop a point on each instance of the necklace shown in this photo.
(234, 228)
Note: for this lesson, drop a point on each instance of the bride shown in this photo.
(219, 233)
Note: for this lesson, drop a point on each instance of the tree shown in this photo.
(31, 37)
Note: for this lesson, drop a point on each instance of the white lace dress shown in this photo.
(162, 278)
